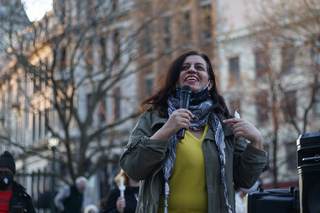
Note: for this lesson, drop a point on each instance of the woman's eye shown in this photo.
(184, 68)
(200, 68)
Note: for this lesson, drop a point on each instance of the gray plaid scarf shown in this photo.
(203, 113)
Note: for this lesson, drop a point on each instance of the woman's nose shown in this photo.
(192, 69)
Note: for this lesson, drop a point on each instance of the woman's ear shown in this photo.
(210, 85)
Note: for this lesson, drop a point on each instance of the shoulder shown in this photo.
(17, 188)
(66, 187)
(115, 190)
(20, 191)
(152, 118)
(65, 190)
(114, 193)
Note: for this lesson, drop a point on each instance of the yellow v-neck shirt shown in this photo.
(188, 189)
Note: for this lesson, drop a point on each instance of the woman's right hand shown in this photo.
(180, 119)
(121, 204)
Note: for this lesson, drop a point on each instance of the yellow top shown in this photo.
(188, 188)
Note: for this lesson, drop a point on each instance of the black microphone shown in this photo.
(184, 103)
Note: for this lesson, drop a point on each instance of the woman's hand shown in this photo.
(245, 129)
(121, 204)
(180, 119)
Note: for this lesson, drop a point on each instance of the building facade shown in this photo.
(82, 71)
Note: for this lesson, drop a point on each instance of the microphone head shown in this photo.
(186, 88)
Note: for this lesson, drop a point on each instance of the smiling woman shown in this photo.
(196, 173)
(36, 9)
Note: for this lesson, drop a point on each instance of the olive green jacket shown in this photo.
(143, 159)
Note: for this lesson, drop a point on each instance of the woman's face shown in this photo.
(194, 73)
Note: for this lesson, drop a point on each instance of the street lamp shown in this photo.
(53, 143)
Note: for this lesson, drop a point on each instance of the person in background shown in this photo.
(69, 198)
(13, 196)
(240, 196)
(196, 173)
(127, 204)
(91, 209)
(102, 202)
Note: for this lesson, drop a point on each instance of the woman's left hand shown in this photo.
(242, 128)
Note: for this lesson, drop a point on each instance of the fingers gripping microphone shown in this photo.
(184, 103)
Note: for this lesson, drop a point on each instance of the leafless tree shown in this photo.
(80, 53)
(286, 38)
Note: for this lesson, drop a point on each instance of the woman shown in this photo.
(127, 204)
(195, 174)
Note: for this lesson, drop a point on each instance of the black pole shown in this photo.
(53, 209)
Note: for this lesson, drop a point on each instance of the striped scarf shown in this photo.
(203, 113)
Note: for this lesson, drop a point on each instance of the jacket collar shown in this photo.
(227, 128)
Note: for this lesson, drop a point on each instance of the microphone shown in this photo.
(184, 103)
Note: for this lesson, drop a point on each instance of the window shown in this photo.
(184, 3)
(149, 83)
(117, 109)
(46, 121)
(288, 59)
(102, 109)
(89, 56)
(89, 104)
(103, 53)
(290, 105)
(234, 69)
(63, 112)
(317, 102)
(114, 5)
(3, 103)
(62, 10)
(291, 155)
(39, 124)
(146, 9)
(148, 40)
(186, 28)
(116, 47)
(63, 55)
(89, 9)
(261, 63)
(166, 29)
(79, 7)
(234, 105)
(45, 72)
(33, 126)
(43, 79)
(36, 84)
(206, 21)
(17, 4)
(262, 107)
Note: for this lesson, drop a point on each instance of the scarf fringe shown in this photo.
(203, 113)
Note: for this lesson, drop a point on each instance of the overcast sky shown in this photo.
(36, 8)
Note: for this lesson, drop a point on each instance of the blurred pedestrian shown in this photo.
(241, 199)
(91, 209)
(13, 196)
(70, 198)
(127, 204)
